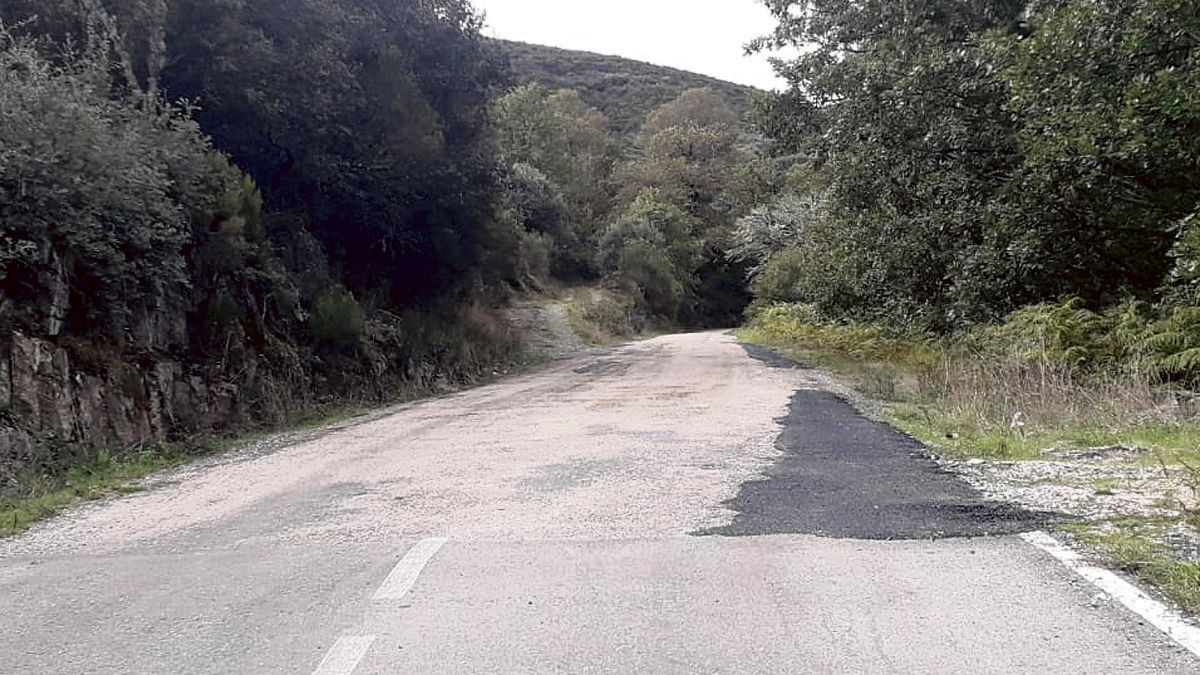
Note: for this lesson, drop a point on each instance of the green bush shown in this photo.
(782, 278)
(602, 316)
(95, 192)
(1174, 343)
(534, 259)
(645, 272)
(337, 319)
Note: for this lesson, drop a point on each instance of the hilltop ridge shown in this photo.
(624, 89)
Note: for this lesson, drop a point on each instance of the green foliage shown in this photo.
(603, 317)
(768, 230)
(782, 278)
(1061, 333)
(1127, 337)
(691, 177)
(1183, 284)
(99, 475)
(644, 271)
(337, 319)
(562, 158)
(1134, 547)
(386, 159)
(963, 393)
(651, 252)
(802, 324)
(688, 151)
(561, 136)
(977, 157)
(537, 204)
(1106, 98)
(99, 195)
(1174, 343)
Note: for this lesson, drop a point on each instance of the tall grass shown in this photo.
(1050, 375)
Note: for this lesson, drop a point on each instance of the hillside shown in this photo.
(623, 89)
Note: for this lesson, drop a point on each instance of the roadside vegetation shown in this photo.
(992, 233)
(97, 476)
(1049, 376)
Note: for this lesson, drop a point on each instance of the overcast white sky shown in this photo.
(703, 36)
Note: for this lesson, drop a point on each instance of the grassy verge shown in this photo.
(971, 399)
(106, 473)
(1133, 545)
(969, 403)
(604, 319)
(102, 475)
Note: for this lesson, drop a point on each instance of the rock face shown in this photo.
(47, 403)
(57, 404)
(154, 367)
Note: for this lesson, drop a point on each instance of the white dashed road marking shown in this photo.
(349, 650)
(1156, 613)
(345, 654)
(405, 574)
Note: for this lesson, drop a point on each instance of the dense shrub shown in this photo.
(336, 319)
(645, 272)
(977, 157)
(101, 197)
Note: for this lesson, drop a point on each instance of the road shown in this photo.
(674, 506)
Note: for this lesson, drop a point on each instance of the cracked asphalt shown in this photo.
(672, 506)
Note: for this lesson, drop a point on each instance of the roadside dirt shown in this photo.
(545, 329)
(1098, 488)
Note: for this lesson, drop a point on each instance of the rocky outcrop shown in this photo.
(63, 397)
(49, 404)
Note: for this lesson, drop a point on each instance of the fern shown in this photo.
(1184, 362)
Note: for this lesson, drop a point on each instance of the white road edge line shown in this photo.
(1156, 613)
(344, 655)
(404, 575)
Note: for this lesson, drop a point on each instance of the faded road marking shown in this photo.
(1156, 613)
(345, 654)
(405, 574)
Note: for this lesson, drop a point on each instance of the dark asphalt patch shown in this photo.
(844, 475)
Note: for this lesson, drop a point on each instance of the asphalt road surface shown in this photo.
(674, 506)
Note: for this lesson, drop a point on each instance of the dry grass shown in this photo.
(1045, 393)
(989, 401)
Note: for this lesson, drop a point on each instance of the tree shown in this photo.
(687, 150)
(983, 155)
(385, 158)
(125, 233)
(652, 253)
(536, 204)
(568, 141)
(1106, 94)
(892, 104)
